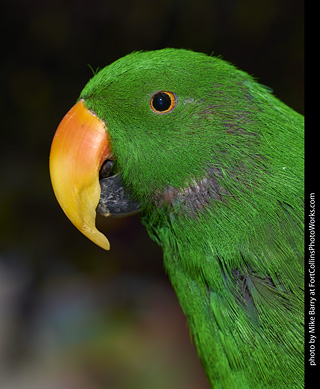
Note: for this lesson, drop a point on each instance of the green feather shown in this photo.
(220, 179)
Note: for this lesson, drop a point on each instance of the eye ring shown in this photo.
(163, 102)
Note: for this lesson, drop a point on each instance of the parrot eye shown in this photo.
(163, 102)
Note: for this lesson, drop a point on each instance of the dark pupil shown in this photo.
(161, 102)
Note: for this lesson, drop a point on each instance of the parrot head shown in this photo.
(158, 129)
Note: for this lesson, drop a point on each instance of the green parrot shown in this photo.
(213, 163)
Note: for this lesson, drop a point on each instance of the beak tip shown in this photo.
(100, 240)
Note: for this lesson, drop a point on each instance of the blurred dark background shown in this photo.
(73, 316)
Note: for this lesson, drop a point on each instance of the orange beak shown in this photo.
(79, 148)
